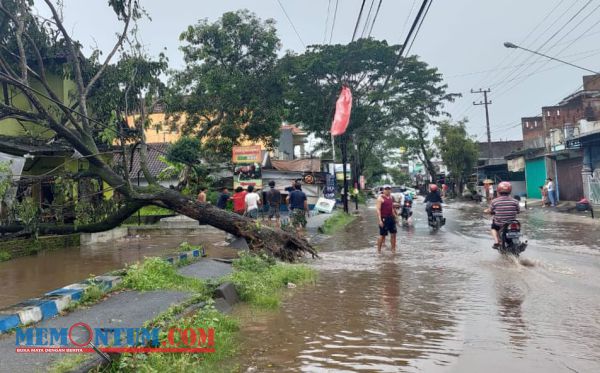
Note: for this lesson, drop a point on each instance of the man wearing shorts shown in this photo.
(298, 207)
(386, 218)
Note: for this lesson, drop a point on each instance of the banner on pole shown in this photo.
(343, 108)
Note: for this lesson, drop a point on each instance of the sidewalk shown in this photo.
(567, 207)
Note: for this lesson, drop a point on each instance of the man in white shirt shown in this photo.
(252, 203)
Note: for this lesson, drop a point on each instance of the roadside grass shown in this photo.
(92, 294)
(336, 222)
(158, 274)
(226, 345)
(69, 363)
(4, 255)
(260, 278)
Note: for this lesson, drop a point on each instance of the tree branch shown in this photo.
(114, 50)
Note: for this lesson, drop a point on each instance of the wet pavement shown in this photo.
(32, 276)
(446, 302)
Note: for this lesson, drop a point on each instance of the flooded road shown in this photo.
(446, 302)
(32, 276)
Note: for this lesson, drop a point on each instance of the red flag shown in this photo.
(342, 112)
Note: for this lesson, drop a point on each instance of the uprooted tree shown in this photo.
(28, 43)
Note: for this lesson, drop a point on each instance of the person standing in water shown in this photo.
(386, 218)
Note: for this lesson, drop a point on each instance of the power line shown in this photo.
(334, 19)
(408, 37)
(362, 7)
(375, 18)
(327, 21)
(412, 7)
(291, 23)
(517, 71)
(419, 28)
(366, 25)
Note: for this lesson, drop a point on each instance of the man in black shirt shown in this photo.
(298, 207)
(274, 199)
(223, 198)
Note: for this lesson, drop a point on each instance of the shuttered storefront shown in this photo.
(569, 180)
(535, 174)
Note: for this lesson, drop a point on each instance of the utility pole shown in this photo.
(487, 116)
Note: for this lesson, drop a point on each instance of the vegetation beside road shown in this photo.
(336, 222)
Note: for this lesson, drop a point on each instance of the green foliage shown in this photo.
(336, 222)
(154, 210)
(4, 255)
(28, 212)
(225, 327)
(184, 150)
(399, 177)
(155, 274)
(381, 113)
(91, 295)
(5, 178)
(229, 89)
(69, 363)
(259, 278)
(458, 151)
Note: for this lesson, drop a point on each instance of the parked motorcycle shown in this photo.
(510, 237)
(406, 212)
(436, 218)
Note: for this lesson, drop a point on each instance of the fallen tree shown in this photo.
(25, 37)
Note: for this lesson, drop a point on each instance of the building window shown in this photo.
(548, 113)
(557, 112)
(534, 123)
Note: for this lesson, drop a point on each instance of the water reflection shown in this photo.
(510, 302)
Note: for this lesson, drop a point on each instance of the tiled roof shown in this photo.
(155, 165)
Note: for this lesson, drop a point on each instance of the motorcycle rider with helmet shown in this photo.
(432, 197)
(504, 209)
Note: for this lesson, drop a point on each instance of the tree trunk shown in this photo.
(281, 244)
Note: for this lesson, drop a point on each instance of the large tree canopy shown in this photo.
(389, 98)
(229, 89)
(458, 151)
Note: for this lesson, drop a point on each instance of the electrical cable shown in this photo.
(419, 28)
(334, 19)
(291, 23)
(327, 21)
(367, 20)
(362, 7)
(375, 18)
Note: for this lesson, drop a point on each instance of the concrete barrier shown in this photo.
(111, 235)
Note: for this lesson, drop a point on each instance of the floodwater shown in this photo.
(446, 302)
(32, 276)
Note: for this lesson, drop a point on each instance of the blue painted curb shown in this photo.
(8, 322)
(74, 293)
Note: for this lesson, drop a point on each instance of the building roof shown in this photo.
(299, 165)
(20, 146)
(155, 165)
(500, 149)
(294, 128)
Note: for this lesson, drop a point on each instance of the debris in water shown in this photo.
(291, 285)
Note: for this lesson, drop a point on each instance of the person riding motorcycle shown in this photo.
(504, 209)
(432, 197)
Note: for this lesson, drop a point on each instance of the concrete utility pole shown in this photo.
(487, 116)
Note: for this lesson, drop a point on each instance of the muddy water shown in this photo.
(32, 276)
(445, 302)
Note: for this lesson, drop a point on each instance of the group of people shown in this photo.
(504, 209)
(248, 202)
(548, 193)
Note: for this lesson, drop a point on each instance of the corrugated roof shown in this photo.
(500, 149)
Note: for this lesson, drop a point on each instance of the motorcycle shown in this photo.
(406, 212)
(436, 217)
(510, 236)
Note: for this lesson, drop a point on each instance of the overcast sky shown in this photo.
(462, 38)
